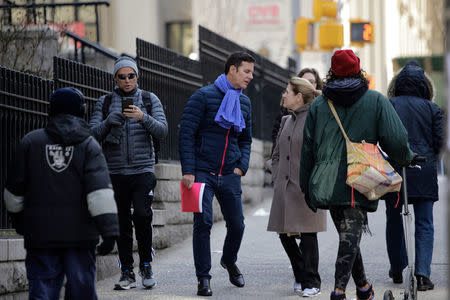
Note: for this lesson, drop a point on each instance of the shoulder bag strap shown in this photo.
(338, 120)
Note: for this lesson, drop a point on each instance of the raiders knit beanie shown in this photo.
(66, 100)
(345, 63)
(123, 62)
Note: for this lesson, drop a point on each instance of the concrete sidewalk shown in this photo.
(267, 270)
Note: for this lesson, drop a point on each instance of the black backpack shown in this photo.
(146, 98)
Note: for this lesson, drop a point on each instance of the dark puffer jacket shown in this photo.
(60, 187)
(135, 149)
(206, 146)
(411, 93)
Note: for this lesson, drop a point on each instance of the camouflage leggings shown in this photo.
(349, 224)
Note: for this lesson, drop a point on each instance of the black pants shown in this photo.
(304, 258)
(136, 190)
(349, 224)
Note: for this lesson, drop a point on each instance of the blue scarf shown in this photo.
(229, 113)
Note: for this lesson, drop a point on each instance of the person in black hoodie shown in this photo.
(58, 194)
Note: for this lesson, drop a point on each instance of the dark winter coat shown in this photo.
(60, 187)
(206, 146)
(323, 166)
(135, 149)
(411, 98)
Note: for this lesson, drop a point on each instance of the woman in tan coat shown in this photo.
(290, 216)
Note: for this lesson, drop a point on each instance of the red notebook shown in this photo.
(191, 199)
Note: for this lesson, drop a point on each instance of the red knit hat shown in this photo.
(344, 63)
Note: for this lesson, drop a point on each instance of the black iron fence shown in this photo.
(91, 81)
(23, 108)
(171, 76)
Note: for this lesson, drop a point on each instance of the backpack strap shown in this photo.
(147, 100)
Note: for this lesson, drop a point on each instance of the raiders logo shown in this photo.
(58, 157)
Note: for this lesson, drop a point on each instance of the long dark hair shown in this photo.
(319, 82)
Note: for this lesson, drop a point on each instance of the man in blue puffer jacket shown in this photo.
(214, 143)
(127, 144)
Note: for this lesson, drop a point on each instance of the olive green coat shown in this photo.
(323, 166)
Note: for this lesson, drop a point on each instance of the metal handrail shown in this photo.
(85, 42)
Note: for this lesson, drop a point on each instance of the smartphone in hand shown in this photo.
(126, 102)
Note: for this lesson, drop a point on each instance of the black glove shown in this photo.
(417, 158)
(114, 135)
(106, 246)
(115, 119)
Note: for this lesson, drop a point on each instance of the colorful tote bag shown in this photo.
(367, 169)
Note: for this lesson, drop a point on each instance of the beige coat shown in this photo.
(289, 212)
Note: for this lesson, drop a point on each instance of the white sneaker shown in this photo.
(310, 292)
(297, 287)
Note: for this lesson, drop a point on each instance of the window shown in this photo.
(179, 37)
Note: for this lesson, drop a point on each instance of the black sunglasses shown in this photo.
(124, 76)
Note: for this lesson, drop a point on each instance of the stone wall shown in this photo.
(170, 225)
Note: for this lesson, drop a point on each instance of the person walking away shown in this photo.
(214, 143)
(290, 216)
(365, 115)
(59, 197)
(128, 140)
(411, 93)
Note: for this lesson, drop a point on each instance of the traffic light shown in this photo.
(324, 8)
(304, 33)
(361, 32)
(331, 35)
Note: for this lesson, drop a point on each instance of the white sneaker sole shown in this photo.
(130, 286)
(311, 295)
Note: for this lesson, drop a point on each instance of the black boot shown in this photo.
(204, 288)
(367, 294)
(397, 276)
(235, 275)
(424, 283)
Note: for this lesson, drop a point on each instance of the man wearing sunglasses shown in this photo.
(126, 121)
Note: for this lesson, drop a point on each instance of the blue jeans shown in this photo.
(46, 269)
(227, 189)
(424, 236)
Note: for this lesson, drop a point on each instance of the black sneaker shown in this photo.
(127, 281)
(148, 281)
(424, 283)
